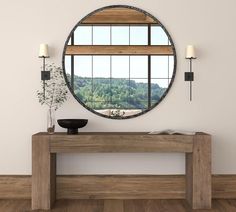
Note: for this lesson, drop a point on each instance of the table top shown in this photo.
(90, 142)
(114, 133)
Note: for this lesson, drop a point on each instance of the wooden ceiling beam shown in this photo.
(119, 50)
(119, 16)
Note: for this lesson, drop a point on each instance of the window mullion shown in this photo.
(72, 64)
(92, 69)
(149, 68)
(110, 67)
(129, 68)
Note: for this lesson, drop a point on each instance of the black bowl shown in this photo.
(72, 125)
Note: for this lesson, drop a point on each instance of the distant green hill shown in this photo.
(102, 93)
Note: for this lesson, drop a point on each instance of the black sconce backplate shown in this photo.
(189, 76)
(45, 75)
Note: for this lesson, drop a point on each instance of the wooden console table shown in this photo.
(196, 147)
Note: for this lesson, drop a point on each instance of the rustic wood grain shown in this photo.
(198, 173)
(120, 187)
(118, 15)
(12, 205)
(119, 50)
(82, 206)
(224, 186)
(15, 187)
(43, 173)
(122, 142)
(198, 162)
(113, 206)
(220, 205)
(172, 187)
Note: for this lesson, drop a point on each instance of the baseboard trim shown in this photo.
(15, 187)
(116, 187)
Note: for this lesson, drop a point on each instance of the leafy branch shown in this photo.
(55, 88)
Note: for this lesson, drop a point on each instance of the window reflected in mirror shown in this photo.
(119, 70)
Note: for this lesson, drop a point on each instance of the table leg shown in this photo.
(43, 173)
(198, 173)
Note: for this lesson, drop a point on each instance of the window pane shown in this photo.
(158, 36)
(122, 109)
(120, 67)
(83, 88)
(159, 66)
(102, 107)
(139, 66)
(83, 66)
(68, 64)
(141, 105)
(118, 107)
(83, 35)
(69, 42)
(138, 35)
(120, 90)
(158, 88)
(171, 66)
(68, 67)
(101, 35)
(154, 102)
(120, 35)
(101, 90)
(162, 83)
(101, 66)
(138, 92)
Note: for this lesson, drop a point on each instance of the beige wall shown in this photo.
(208, 24)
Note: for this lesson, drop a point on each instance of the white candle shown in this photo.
(190, 52)
(43, 50)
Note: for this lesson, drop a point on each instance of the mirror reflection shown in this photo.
(119, 70)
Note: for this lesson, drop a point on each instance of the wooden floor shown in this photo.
(118, 206)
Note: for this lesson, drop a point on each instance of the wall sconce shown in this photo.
(189, 76)
(43, 53)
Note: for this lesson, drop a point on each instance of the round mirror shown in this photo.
(119, 62)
